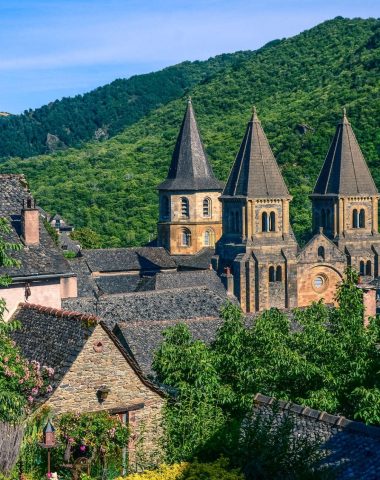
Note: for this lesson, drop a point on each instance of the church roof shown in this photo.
(190, 168)
(345, 171)
(255, 173)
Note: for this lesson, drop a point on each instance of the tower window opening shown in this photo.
(237, 222)
(279, 274)
(321, 253)
(165, 207)
(207, 207)
(209, 238)
(328, 219)
(264, 222)
(323, 218)
(362, 268)
(355, 219)
(272, 222)
(185, 237)
(271, 275)
(362, 218)
(368, 268)
(185, 207)
(232, 222)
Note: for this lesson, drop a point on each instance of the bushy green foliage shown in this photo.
(217, 470)
(110, 186)
(323, 357)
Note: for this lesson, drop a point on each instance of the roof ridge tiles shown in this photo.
(60, 313)
(335, 420)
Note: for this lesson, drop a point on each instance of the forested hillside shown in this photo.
(104, 112)
(299, 86)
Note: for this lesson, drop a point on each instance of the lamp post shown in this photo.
(48, 441)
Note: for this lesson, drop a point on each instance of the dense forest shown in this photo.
(299, 86)
(104, 112)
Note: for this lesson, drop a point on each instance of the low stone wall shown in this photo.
(351, 447)
(10, 441)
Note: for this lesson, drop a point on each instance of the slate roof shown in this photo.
(255, 173)
(55, 337)
(200, 260)
(172, 304)
(190, 168)
(353, 448)
(128, 259)
(345, 171)
(142, 339)
(183, 279)
(42, 259)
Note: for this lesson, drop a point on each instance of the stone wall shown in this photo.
(101, 363)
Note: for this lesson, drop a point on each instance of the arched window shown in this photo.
(321, 252)
(362, 268)
(328, 219)
(271, 274)
(264, 222)
(232, 222)
(316, 220)
(237, 222)
(323, 218)
(165, 207)
(185, 207)
(185, 237)
(272, 222)
(209, 238)
(279, 274)
(207, 207)
(362, 218)
(355, 219)
(368, 268)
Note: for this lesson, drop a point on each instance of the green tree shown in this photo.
(86, 238)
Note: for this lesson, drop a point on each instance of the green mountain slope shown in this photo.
(105, 111)
(304, 80)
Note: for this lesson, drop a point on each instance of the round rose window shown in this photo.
(320, 283)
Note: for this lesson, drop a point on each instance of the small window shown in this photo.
(271, 274)
(185, 237)
(278, 274)
(232, 222)
(264, 222)
(321, 253)
(207, 207)
(165, 207)
(209, 238)
(319, 282)
(323, 218)
(328, 219)
(184, 207)
(368, 268)
(237, 222)
(362, 218)
(355, 219)
(362, 268)
(272, 222)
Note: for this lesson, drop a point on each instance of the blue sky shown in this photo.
(52, 48)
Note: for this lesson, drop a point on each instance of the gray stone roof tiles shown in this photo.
(255, 173)
(42, 259)
(190, 168)
(345, 171)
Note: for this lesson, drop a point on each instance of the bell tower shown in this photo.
(345, 201)
(257, 244)
(190, 216)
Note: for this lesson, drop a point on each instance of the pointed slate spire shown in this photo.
(255, 173)
(345, 171)
(190, 168)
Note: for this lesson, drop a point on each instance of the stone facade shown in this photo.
(258, 246)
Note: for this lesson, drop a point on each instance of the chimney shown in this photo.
(30, 222)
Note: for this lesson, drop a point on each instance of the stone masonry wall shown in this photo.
(101, 363)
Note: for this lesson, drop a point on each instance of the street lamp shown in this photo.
(48, 441)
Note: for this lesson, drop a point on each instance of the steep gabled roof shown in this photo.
(345, 171)
(190, 168)
(255, 173)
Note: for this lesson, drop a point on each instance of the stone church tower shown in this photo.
(345, 202)
(190, 216)
(258, 244)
